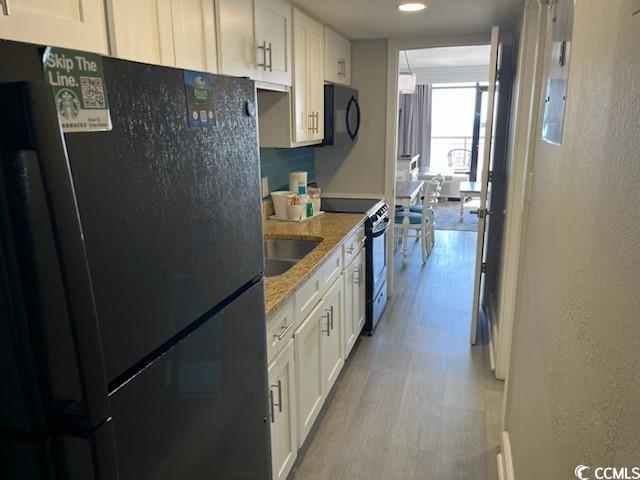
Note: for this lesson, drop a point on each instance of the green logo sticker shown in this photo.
(79, 89)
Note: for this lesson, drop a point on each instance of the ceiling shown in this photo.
(368, 19)
(473, 56)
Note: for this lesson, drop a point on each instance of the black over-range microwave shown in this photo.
(341, 115)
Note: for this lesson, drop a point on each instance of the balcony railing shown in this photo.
(452, 153)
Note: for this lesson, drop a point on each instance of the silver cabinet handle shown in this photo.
(356, 280)
(331, 310)
(270, 58)
(271, 407)
(328, 316)
(284, 332)
(342, 67)
(316, 127)
(263, 47)
(279, 387)
(6, 10)
(311, 123)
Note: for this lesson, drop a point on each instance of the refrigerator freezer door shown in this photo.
(200, 411)
(171, 214)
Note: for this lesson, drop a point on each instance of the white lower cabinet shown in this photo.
(282, 401)
(354, 293)
(332, 351)
(308, 356)
(327, 317)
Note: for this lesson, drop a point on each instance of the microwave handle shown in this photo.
(353, 103)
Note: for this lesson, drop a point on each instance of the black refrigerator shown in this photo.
(132, 328)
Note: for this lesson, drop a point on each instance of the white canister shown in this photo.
(280, 201)
(298, 182)
(295, 212)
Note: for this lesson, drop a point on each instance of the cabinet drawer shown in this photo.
(280, 326)
(308, 295)
(332, 268)
(353, 245)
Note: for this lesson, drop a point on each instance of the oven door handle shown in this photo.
(381, 229)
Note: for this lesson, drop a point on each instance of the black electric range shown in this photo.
(376, 230)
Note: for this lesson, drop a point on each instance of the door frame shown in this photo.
(394, 47)
(528, 100)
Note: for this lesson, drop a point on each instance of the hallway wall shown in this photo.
(574, 387)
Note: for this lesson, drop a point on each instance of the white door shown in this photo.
(236, 37)
(273, 41)
(194, 34)
(332, 335)
(75, 24)
(483, 211)
(282, 403)
(315, 81)
(142, 31)
(308, 355)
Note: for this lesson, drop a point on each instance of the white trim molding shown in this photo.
(505, 459)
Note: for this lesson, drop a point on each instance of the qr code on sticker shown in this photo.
(92, 92)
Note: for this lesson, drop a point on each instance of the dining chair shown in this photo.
(419, 227)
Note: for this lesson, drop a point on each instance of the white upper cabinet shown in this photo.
(308, 85)
(255, 39)
(236, 38)
(337, 58)
(142, 30)
(177, 33)
(194, 36)
(76, 24)
(273, 41)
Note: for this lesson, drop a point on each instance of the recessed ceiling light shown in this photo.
(415, 6)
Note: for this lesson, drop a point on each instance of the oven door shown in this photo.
(379, 255)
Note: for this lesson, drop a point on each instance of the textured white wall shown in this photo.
(360, 168)
(575, 379)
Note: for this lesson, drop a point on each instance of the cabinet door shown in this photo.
(308, 340)
(141, 31)
(332, 335)
(236, 38)
(302, 117)
(332, 67)
(349, 300)
(282, 382)
(315, 79)
(354, 295)
(360, 311)
(194, 35)
(76, 24)
(273, 41)
(345, 58)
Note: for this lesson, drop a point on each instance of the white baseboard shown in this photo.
(501, 469)
(491, 333)
(505, 460)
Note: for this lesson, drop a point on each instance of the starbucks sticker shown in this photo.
(200, 99)
(79, 89)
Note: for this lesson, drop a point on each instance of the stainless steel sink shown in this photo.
(273, 267)
(282, 253)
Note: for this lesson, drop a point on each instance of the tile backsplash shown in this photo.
(276, 163)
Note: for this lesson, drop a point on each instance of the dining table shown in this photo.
(407, 193)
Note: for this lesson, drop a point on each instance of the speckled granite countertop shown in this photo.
(330, 228)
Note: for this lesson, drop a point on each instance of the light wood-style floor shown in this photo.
(415, 400)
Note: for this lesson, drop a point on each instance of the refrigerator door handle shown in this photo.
(32, 109)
